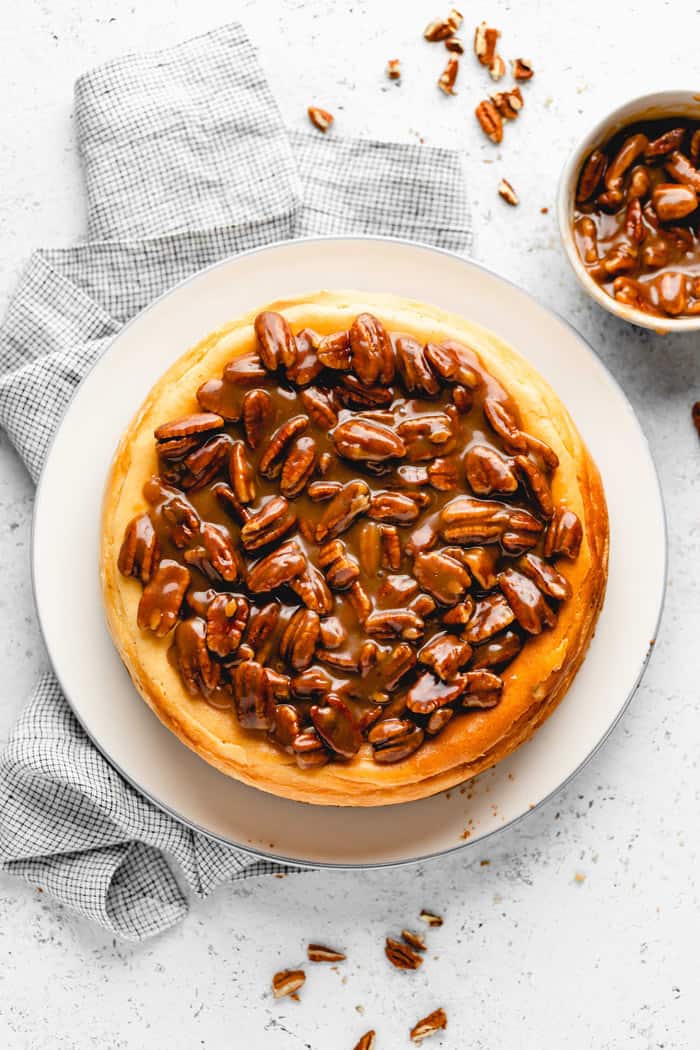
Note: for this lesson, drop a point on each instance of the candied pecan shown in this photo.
(276, 344)
(321, 491)
(427, 1026)
(227, 617)
(396, 746)
(369, 548)
(140, 550)
(340, 568)
(309, 750)
(245, 370)
(319, 405)
(629, 151)
(640, 183)
(490, 120)
(200, 423)
(228, 500)
(445, 654)
(411, 476)
(311, 684)
(281, 566)
(241, 473)
(695, 148)
(504, 424)
(454, 363)
(335, 725)
(393, 508)
(401, 955)
(205, 462)
(360, 601)
(311, 587)
(591, 175)
(300, 638)
(366, 1041)
(397, 589)
(252, 697)
(426, 436)
(428, 693)
(462, 399)
(162, 598)
(522, 532)
(363, 439)
(549, 581)
(222, 398)
(670, 140)
(334, 351)
(487, 471)
(390, 544)
(338, 661)
(272, 459)
(423, 538)
(481, 562)
(540, 448)
(175, 450)
(280, 685)
(200, 673)
(394, 665)
(522, 69)
(298, 466)
(508, 103)
(673, 201)
(438, 720)
(536, 484)
(285, 726)
(423, 605)
(181, 520)
(258, 410)
(564, 534)
(459, 615)
(306, 365)
(491, 615)
(350, 502)
(442, 474)
(371, 352)
(392, 623)
(413, 367)
(527, 601)
(320, 953)
(465, 520)
(482, 689)
(287, 982)
(448, 77)
(442, 576)
(268, 524)
(320, 118)
(332, 632)
(263, 622)
(357, 395)
(497, 651)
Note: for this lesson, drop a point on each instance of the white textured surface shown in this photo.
(528, 956)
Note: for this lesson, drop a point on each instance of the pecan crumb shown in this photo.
(507, 192)
(366, 1041)
(401, 956)
(696, 416)
(429, 918)
(320, 118)
(393, 69)
(522, 69)
(429, 1025)
(319, 953)
(447, 78)
(287, 982)
(414, 940)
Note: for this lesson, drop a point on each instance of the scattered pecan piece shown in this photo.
(246, 370)
(263, 622)
(503, 422)
(448, 77)
(366, 1041)
(455, 45)
(485, 40)
(360, 601)
(459, 614)
(320, 953)
(442, 28)
(442, 474)
(536, 484)
(508, 103)
(333, 634)
(509, 195)
(438, 720)
(306, 365)
(430, 1025)
(320, 118)
(140, 550)
(402, 956)
(695, 414)
(430, 918)
(205, 462)
(522, 69)
(287, 982)
(414, 940)
(393, 69)
(322, 491)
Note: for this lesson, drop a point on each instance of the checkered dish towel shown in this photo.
(186, 162)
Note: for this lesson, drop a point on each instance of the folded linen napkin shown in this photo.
(186, 162)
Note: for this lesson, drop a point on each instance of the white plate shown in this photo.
(65, 558)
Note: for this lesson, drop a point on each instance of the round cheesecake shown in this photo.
(353, 549)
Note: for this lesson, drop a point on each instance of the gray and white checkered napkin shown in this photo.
(186, 162)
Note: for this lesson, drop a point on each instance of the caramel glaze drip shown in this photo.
(349, 539)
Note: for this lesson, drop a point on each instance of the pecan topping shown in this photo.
(275, 519)
(222, 398)
(402, 956)
(199, 672)
(140, 551)
(362, 439)
(497, 652)
(162, 597)
(319, 407)
(285, 726)
(202, 423)
(306, 365)
(489, 472)
(334, 351)
(454, 363)
(287, 982)
(482, 689)
(216, 557)
(246, 370)
(438, 720)
(537, 485)
(445, 654)
(227, 617)
(276, 344)
(427, 694)
(491, 615)
(549, 581)
(257, 411)
(319, 953)
(394, 623)
(241, 473)
(393, 508)
(333, 634)
(591, 175)
(442, 576)
(340, 569)
(666, 143)
(371, 352)
(311, 587)
(427, 436)
(351, 501)
(320, 118)
(400, 746)
(205, 463)
(281, 566)
(427, 1026)
(252, 696)
(321, 491)
(504, 424)
(564, 534)
(298, 466)
(413, 367)
(309, 750)
(334, 724)
(272, 460)
(300, 638)
(459, 614)
(526, 601)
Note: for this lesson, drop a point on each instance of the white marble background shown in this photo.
(582, 929)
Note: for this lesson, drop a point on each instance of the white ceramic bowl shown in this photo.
(645, 107)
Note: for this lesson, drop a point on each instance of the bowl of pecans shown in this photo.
(629, 211)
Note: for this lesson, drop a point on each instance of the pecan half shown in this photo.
(227, 617)
(162, 598)
(487, 471)
(200, 423)
(320, 953)
(549, 581)
(276, 344)
(390, 544)
(393, 508)
(564, 534)
(287, 982)
(672, 201)
(485, 40)
(459, 615)
(413, 367)
(200, 673)
(241, 473)
(272, 459)
(258, 411)
(430, 918)
(497, 652)
(311, 587)
(311, 684)
(306, 365)
(252, 696)
(428, 693)
(285, 726)
(503, 422)
(360, 601)
(355, 394)
(401, 955)
(140, 550)
(205, 462)
(481, 562)
(223, 398)
(454, 363)
(340, 568)
(470, 521)
(394, 623)
(527, 601)
(352, 501)
(299, 639)
(268, 524)
(309, 750)
(442, 474)
(362, 439)
(442, 576)
(298, 466)
(670, 140)
(371, 352)
(281, 566)
(322, 491)
(320, 118)
(395, 744)
(490, 120)
(591, 175)
(482, 689)
(333, 634)
(217, 557)
(438, 720)
(509, 195)
(536, 484)
(427, 436)
(335, 725)
(430, 1025)
(228, 500)
(445, 654)
(334, 351)
(319, 406)
(491, 615)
